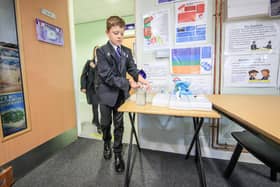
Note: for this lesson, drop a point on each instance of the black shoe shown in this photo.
(99, 130)
(95, 122)
(107, 153)
(119, 163)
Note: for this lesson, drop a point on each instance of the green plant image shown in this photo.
(12, 116)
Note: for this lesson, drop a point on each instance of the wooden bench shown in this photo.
(266, 151)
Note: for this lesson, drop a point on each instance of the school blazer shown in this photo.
(111, 73)
(88, 82)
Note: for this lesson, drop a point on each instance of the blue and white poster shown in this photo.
(12, 111)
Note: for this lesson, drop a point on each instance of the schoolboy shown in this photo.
(114, 61)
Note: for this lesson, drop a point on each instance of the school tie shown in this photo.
(119, 51)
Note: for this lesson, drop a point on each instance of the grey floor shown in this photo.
(81, 164)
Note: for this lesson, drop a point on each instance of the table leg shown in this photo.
(200, 163)
(132, 120)
(126, 184)
(196, 146)
(197, 126)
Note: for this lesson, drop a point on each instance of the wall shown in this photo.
(87, 36)
(48, 78)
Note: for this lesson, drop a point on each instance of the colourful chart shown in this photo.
(196, 60)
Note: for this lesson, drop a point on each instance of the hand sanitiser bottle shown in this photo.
(141, 96)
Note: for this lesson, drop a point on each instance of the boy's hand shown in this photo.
(92, 65)
(133, 84)
(83, 90)
(146, 84)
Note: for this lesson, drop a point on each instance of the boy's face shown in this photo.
(115, 35)
(265, 73)
(253, 74)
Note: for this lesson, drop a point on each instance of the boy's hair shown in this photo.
(253, 71)
(114, 21)
(267, 70)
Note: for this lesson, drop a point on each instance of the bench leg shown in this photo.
(233, 160)
(273, 174)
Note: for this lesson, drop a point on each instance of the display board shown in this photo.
(165, 63)
(247, 67)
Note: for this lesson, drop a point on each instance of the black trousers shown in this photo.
(107, 113)
(95, 114)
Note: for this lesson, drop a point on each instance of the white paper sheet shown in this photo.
(156, 29)
(244, 8)
(251, 71)
(191, 21)
(251, 37)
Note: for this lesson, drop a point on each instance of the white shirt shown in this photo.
(115, 46)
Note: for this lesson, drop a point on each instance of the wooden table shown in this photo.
(258, 114)
(198, 118)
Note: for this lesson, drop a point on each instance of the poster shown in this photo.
(191, 21)
(10, 75)
(251, 37)
(258, 70)
(12, 112)
(195, 60)
(156, 30)
(12, 105)
(49, 33)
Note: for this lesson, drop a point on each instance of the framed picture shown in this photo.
(49, 33)
(14, 119)
(12, 113)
